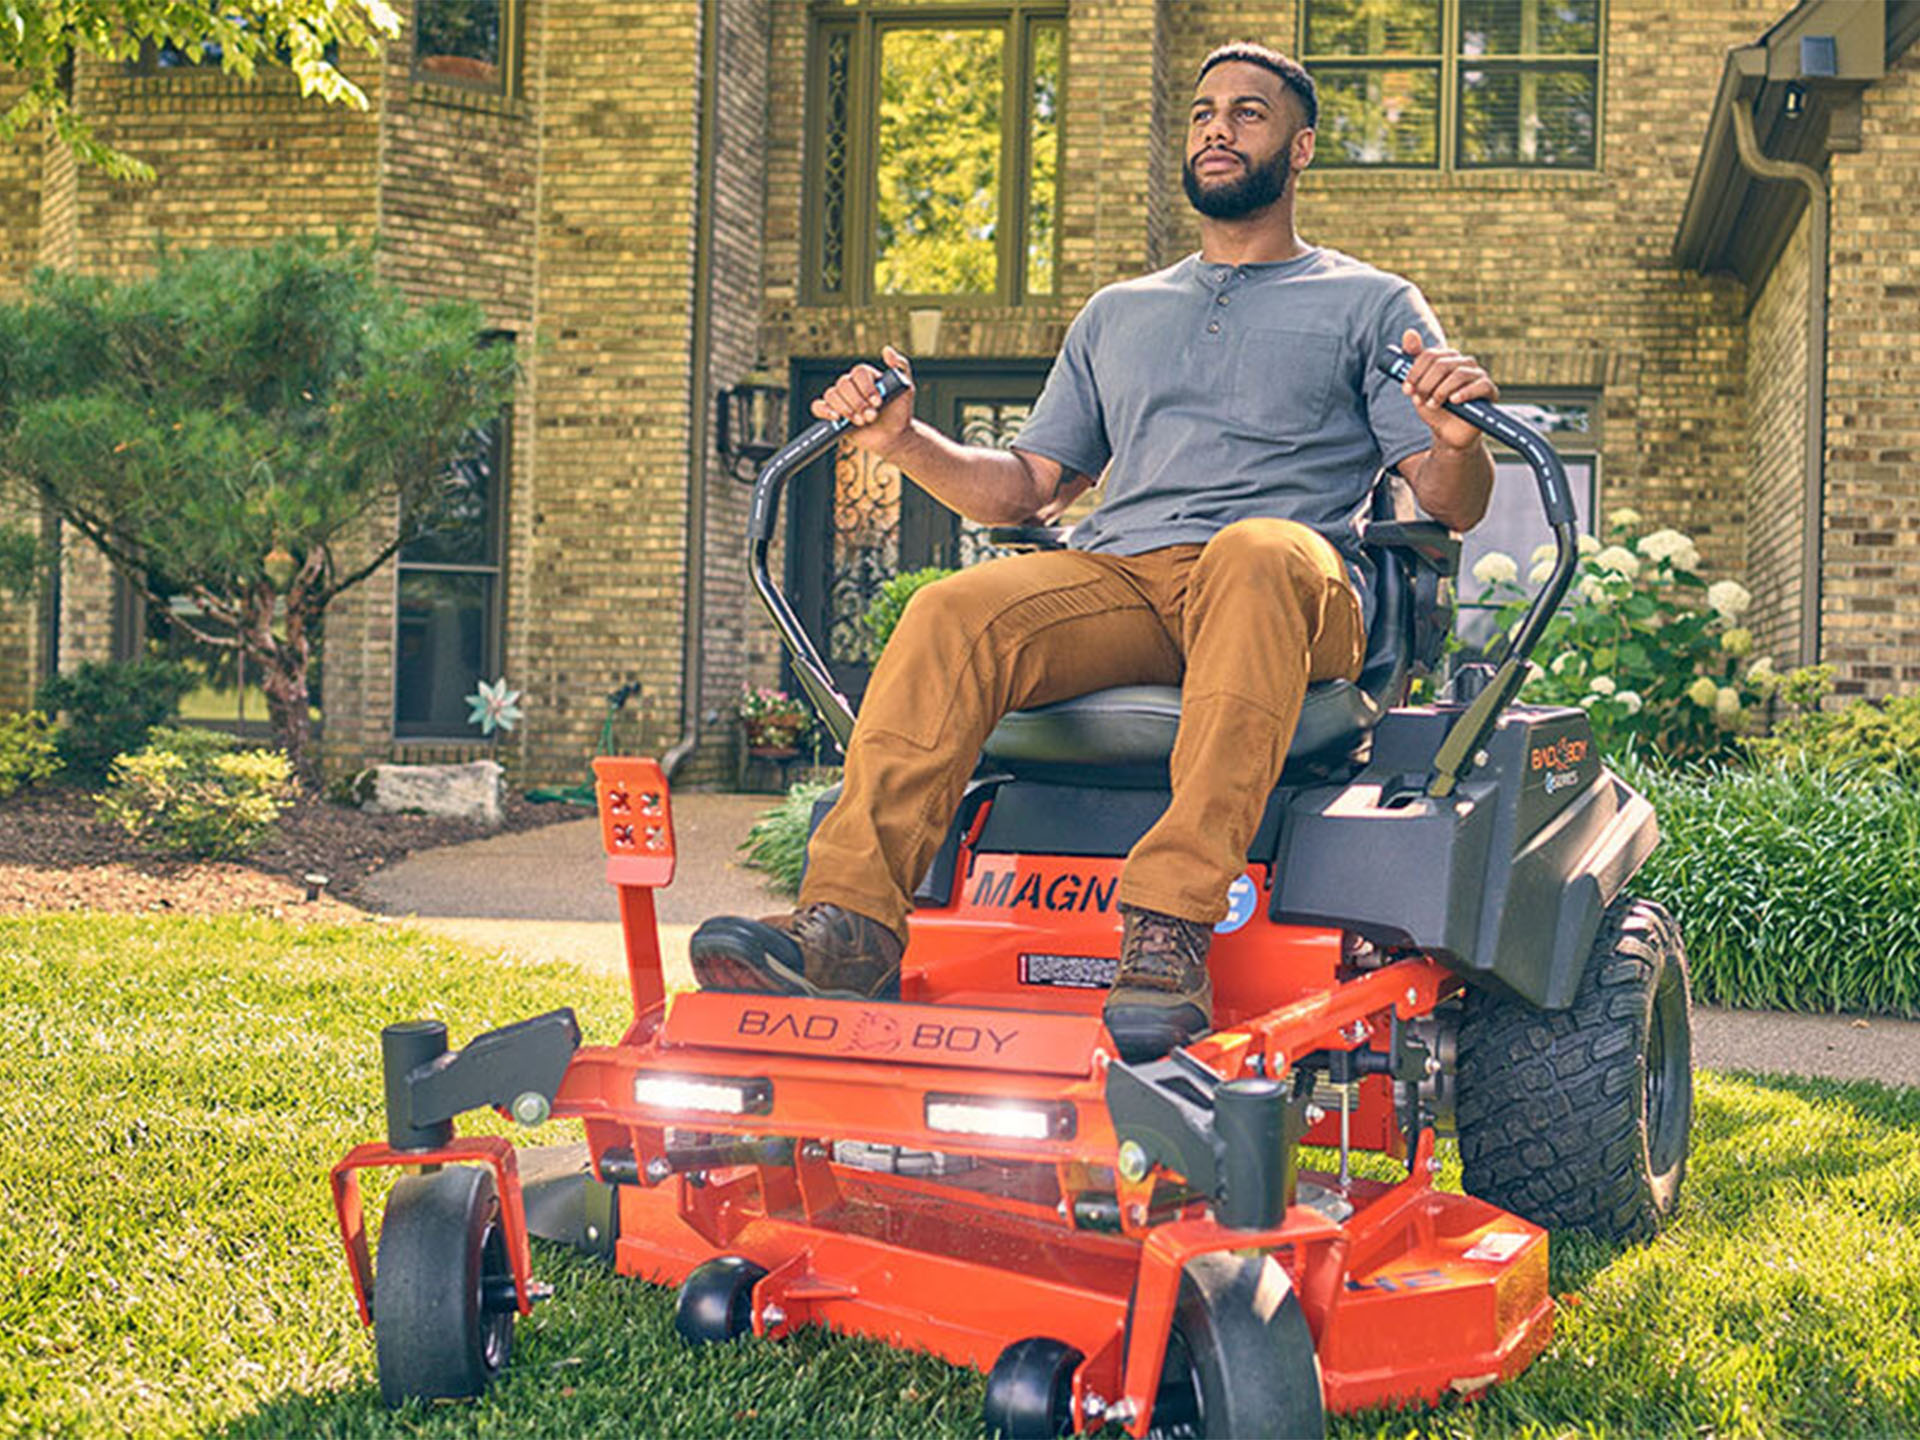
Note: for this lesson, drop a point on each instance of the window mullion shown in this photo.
(1013, 159)
(1449, 157)
(863, 112)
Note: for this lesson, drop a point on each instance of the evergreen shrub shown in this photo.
(28, 754)
(198, 793)
(107, 709)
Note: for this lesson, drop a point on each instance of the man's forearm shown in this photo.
(1454, 486)
(992, 487)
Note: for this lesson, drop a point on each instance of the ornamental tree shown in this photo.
(259, 430)
(40, 39)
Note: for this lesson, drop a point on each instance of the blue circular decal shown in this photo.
(1241, 898)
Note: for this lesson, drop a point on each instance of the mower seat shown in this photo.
(1124, 735)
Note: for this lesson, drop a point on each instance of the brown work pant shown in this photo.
(1241, 624)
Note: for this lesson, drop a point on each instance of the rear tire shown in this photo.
(1579, 1119)
(442, 1327)
(1237, 1363)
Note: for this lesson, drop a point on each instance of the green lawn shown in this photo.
(173, 1091)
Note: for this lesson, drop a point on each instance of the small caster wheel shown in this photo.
(443, 1294)
(1236, 1363)
(716, 1302)
(1030, 1390)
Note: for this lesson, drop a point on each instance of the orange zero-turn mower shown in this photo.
(1432, 934)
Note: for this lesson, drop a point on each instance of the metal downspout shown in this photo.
(693, 649)
(1814, 495)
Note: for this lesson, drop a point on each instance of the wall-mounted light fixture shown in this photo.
(752, 423)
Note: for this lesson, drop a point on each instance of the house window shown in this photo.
(1456, 84)
(935, 151)
(448, 629)
(1514, 524)
(471, 44)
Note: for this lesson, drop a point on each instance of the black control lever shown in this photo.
(808, 666)
(1470, 731)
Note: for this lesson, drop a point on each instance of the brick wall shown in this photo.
(1776, 452)
(20, 171)
(601, 593)
(1870, 601)
(738, 642)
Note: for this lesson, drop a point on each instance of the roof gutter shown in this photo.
(1814, 482)
(700, 407)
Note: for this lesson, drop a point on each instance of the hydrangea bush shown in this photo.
(1652, 651)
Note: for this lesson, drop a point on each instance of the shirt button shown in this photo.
(1222, 300)
(1214, 329)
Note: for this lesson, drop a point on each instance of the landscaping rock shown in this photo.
(459, 792)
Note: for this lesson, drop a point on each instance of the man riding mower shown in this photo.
(939, 1128)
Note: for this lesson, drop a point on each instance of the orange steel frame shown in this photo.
(1416, 1294)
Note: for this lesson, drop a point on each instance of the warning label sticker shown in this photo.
(1071, 972)
(1498, 1246)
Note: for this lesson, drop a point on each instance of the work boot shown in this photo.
(1162, 995)
(818, 950)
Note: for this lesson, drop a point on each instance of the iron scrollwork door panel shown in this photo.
(856, 522)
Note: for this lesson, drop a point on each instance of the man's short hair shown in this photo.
(1291, 72)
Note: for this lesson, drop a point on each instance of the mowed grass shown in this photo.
(172, 1093)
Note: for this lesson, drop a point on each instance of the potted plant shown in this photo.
(773, 722)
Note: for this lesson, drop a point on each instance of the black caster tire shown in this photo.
(443, 1296)
(716, 1301)
(1030, 1390)
(1237, 1364)
(1580, 1119)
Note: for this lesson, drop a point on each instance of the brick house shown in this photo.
(657, 198)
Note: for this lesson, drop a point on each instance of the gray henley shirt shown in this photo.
(1213, 393)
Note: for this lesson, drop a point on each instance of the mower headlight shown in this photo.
(704, 1092)
(1002, 1119)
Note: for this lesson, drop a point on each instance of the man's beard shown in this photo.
(1254, 190)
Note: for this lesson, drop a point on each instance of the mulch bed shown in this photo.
(54, 855)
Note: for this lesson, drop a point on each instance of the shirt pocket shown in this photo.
(1284, 382)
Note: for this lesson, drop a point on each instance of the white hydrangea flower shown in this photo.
(1737, 642)
(1673, 546)
(1762, 676)
(1540, 571)
(1496, 567)
(1704, 693)
(1625, 518)
(1587, 545)
(1544, 552)
(1566, 661)
(1595, 591)
(1631, 699)
(1602, 685)
(1729, 599)
(1726, 702)
(1618, 559)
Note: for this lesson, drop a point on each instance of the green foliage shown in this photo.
(777, 841)
(1874, 735)
(937, 165)
(40, 40)
(886, 607)
(28, 753)
(197, 793)
(1795, 888)
(108, 708)
(224, 423)
(1642, 643)
(173, 1091)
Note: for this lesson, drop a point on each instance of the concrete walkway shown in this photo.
(542, 894)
